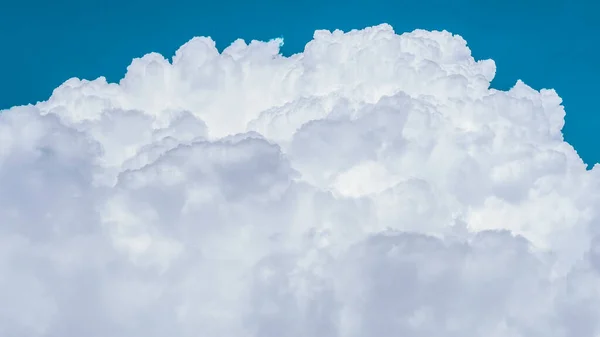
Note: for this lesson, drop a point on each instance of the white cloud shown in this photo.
(373, 185)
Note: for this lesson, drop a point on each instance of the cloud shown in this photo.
(373, 185)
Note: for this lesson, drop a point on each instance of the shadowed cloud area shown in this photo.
(373, 185)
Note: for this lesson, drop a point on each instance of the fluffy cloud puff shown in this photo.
(373, 185)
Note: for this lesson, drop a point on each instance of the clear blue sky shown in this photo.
(547, 44)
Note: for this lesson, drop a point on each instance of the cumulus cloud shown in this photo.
(372, 185)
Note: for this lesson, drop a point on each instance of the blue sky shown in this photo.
(547, 44)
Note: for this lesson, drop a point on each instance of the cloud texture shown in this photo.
(373, 185)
